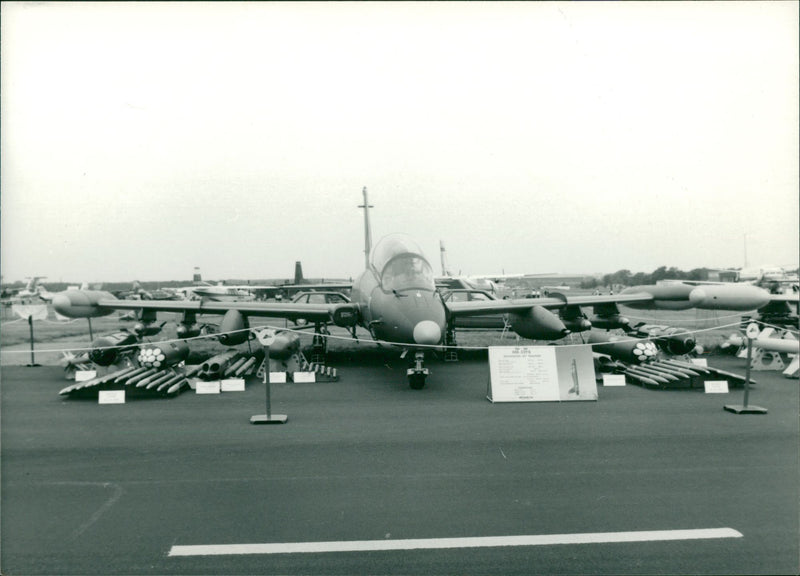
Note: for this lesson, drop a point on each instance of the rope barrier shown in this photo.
(304, 332)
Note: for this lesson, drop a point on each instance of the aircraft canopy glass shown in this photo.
(399, 261)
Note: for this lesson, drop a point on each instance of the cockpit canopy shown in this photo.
(400, 263)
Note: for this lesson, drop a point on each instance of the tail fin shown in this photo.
(196, 278)
(298, 273)
(443, 255)
(33, 282)
(367, 230)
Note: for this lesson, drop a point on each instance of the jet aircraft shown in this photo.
(395, 298)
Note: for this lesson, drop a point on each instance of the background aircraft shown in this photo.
(396, 300)
(222, 292)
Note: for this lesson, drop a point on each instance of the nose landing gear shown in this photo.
(417, 373)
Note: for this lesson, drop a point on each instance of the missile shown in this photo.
(122, 378)
(686, 365)
(679, 370)
(781, 345)
(163, 378)
(659, 380)
(170, 381)
(177, 386)
(648, 368)
(609, 322)
(640, 378)
(246, 366)
(145, 381)
(139, 377)
(234, 366)
(192, 370)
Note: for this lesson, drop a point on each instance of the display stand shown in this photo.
(269, 417)
(30, 324)
(745, 408)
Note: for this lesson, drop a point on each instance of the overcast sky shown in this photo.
(141, 140)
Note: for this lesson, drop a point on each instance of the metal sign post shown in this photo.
(745, 408)
(30, 325)
(268, 417)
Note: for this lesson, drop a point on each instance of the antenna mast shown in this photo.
(367, 231)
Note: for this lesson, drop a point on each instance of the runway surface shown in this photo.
(369, 476)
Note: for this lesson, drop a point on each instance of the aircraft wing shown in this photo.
(292, 311)
(274, 288)
(88, 304)
(482, 307)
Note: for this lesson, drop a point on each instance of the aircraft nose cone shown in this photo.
(427, 332)
(697, 296)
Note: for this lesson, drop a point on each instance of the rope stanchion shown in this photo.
(344, 338)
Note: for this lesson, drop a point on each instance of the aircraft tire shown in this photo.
(416, 381)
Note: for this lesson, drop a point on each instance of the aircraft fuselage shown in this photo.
(409, 315)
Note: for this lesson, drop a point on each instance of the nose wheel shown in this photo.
(417, 373)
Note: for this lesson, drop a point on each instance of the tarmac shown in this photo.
(369, 476)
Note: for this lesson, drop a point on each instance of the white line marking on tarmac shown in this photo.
(434, 543)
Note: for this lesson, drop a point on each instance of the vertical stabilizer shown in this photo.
(367, 230)
(298, 273)
(196, 278)
(443, 257)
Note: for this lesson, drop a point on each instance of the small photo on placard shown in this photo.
(277, 377)
(305, 377)
(84, 375)
(232, 385)
(716, 386)
(203, 387)
(111, 397)
(614, 380)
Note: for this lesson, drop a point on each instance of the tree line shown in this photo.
(627, 278)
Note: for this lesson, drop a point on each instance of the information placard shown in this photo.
(111, 397)
(304, 376)
(84, 375)
(204, 387)
(232, 385)
(541, 374)
(702, 362)
(277, 377)
(614, 380)
(716, 386)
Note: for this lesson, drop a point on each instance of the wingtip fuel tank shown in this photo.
(81, 303)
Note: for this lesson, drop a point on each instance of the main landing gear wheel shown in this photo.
(416, 381)
(417, 372)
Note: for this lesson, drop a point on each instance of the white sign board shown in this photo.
(203, 387)
(277, 377)
(232, 385)
(305, 377)
(111, 397)
(541, 374)
(716, 386)
(614, 380)
(84, 375)
(700, 362)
